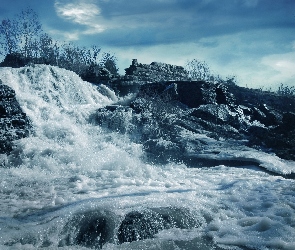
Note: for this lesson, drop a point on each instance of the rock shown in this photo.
(14, 124)
(115, 117)
(218, 114)
(15, 60)
(139, 225)
(139, 74)
(190, 93)
(161, 151)
(257, 98)
(288, 121)
(166, 103)
(89, 229)
(266, 115)
(97, 74)
(194, 94)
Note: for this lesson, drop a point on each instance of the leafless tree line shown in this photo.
(24, 36)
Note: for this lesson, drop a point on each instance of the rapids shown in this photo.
(72, 183)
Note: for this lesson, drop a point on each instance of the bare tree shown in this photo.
(28, 32)
(22, 38)
(109, 62)
(8, 36)
(198, 70)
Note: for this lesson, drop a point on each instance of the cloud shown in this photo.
(124, 22)
(234, 54)
(82, 12)
(73, 35)
(248, 38)
(283, 64)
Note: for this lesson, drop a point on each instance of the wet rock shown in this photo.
(194, 94)
(219, 114)
(167, 103)
(97, 74)
(89, 229)
(15, 60)
(288, 121)
(114, 117)
(162, 151)
(14, 124)
(139, 225)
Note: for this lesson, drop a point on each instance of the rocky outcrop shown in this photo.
(139, 74)
(97, 74)
(15, 60)
(163, 112)
(155, 72)
(14, 124)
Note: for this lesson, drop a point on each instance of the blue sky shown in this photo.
(253, 39)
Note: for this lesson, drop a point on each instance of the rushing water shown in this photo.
(71, 174)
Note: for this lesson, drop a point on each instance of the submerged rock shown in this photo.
(90, 229)
(139, 225)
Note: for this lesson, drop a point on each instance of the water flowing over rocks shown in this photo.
(14, 124)
(145, 224)
(170, 112)
(178, 164)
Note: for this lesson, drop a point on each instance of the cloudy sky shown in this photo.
(252, 39)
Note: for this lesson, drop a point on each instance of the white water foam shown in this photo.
(69, 166)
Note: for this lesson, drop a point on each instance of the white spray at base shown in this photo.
(69, 167)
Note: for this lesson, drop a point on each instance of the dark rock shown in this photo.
(266, 115)
(219, 114)
(6, 92)
(139, 74)
(140, 225)
(145, 224)
(97, 74)
(288, 121)
(190, 93)
(167, 103)
(194, 94)
(2, 111)
(90, 229)
(15, 60)
(257, 98)
(14, 124)
(161, 151)
(221, 97)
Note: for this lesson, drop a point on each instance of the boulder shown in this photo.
(14, 124)
(288, 121)
(139, 225)
(162, 151)
(91, 229)
(15, 60)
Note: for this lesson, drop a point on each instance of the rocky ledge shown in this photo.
(189, 121)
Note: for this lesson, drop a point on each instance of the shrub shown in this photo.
(286, 90)
(200, 71)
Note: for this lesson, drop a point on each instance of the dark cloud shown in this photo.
(150, 21)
